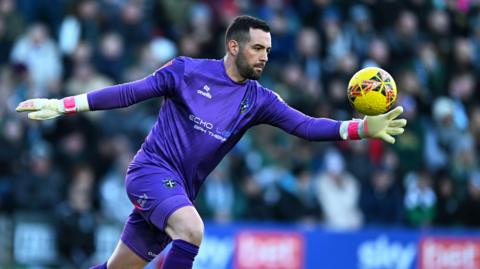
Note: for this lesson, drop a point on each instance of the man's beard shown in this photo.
(244, 69)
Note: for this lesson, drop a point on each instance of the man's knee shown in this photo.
(192, 233)
(186, 224)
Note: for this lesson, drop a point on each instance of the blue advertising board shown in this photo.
(273, 246)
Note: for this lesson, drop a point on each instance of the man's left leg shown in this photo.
(163, 203)
(185, 227)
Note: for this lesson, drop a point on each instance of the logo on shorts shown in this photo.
(140, 203)
(169, 183)
(152, 254)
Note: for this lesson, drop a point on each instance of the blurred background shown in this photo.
(356, 204)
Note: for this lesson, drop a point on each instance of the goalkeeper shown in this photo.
(209, 105)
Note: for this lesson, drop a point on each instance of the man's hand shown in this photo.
(45, 109)
(41, 108)
(383, 126)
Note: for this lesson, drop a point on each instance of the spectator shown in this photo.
(40, 55)
(378, 54)
(85, 77)
(337, 44)
(109, 59)
(338, 193)
(76, 221)
(439, 30)
(256, 208)
(133, 26)
(410, 147)
(474, 126)
(431, 69)
(404, 38)
(156, 53)
(358, 162)
(51, 11)
(39, 188)
(12, 25)
(441, 136)
(420, 199)
(297, 200)
(448, 204)
(88, 14)
(14, 141)
(381, 199)
(114, 202)
(360, 30)
(464, 161)
(219, 200)
(471, 205)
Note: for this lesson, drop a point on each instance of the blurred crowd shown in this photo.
(71, 169)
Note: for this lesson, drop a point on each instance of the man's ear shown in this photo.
(233, 47)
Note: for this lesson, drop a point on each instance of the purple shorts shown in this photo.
(156, 194)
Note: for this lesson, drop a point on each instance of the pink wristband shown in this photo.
(353, 130)
(70, 105)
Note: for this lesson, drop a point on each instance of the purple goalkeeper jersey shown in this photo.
(205, 113)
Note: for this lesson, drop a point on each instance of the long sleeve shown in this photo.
(161, 83)
(279, 114)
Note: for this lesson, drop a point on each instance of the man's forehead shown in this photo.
(258, 36)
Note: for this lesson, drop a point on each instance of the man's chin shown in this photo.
(256, 75)
(253, 74)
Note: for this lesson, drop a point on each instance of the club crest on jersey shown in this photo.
(244, 105)
(205, 91)
(169, 183)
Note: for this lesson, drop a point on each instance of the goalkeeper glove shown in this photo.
(44, 109)
(383, 126)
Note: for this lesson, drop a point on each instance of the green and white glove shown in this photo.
(383, 126)
(45, 109)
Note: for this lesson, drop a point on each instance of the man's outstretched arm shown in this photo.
(162, 82)
(116, 96)
(384, 126)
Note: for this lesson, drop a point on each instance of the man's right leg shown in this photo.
(123, 257)
(139, 244)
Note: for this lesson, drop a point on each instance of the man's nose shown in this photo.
(264, 57)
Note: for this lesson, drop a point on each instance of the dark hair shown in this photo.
(239, 30)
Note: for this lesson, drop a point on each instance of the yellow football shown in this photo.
(372, 91)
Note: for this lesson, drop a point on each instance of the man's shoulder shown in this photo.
(267, 94)
(187, 65)
(197, 63)
(262, 90)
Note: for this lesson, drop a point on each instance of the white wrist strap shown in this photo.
(344, 130)
(74, 104)
(81, 102)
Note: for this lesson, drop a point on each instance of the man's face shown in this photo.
(253, 55)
